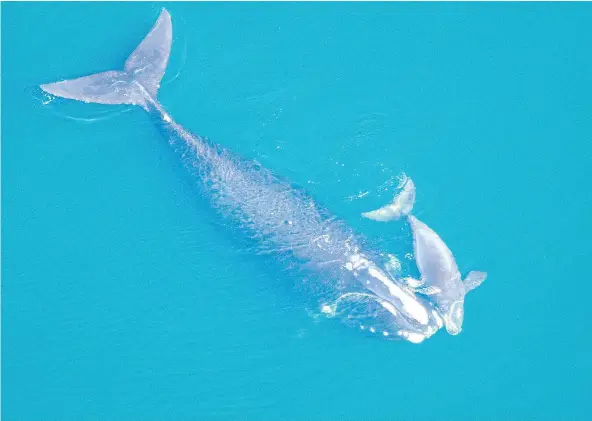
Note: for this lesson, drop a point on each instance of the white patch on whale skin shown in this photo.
(411, 336)
(415, 337)
(388, 306)
(415, 309)
(327, 309)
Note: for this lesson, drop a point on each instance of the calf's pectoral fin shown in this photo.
(473, 280)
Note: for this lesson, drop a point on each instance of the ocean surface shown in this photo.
(125, 298)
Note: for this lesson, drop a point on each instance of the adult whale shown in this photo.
(283, 219)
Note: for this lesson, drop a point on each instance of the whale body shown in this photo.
(354, 284)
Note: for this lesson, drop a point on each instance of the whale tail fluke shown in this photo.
(146, 65)
(401, 205)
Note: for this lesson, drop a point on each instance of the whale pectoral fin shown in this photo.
(401, 205)
(430, 290)
(473, 280)
(413, 283)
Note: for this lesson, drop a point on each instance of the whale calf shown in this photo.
(353, 282)
(440, 277)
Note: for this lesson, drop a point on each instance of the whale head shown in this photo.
(381, 304)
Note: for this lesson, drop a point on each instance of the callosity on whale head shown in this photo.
(383, 305)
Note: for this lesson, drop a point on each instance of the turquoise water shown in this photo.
(124, 298)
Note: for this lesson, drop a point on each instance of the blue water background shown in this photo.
(124, 298)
